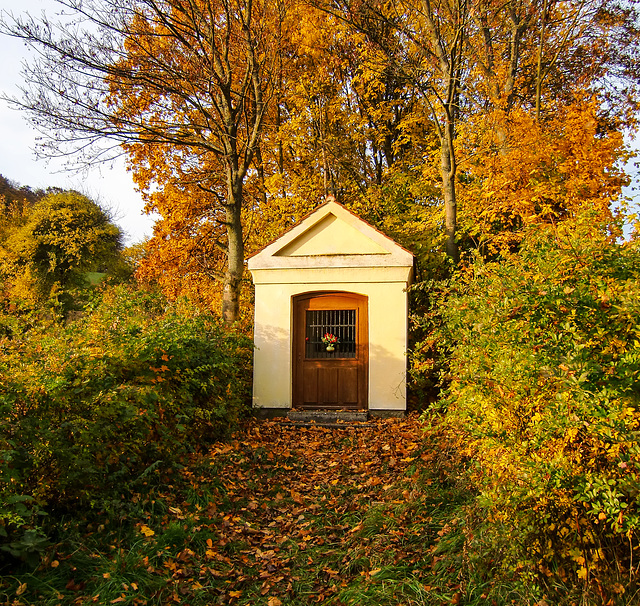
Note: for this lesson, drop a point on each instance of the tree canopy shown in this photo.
(439, 122)
(48, 249)
(181, 85)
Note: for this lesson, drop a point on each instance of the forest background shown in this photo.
(488, 138)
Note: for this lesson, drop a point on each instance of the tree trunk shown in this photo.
(448, 175)
(539, 70)
(449, 56)
(259, 163)
(235, 266)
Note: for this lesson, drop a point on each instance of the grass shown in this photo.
(94, 277)
(278, 516)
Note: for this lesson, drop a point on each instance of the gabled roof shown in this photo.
(331, 236)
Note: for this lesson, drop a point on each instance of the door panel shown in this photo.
(336, 378)
(348, 386)
(327, 386)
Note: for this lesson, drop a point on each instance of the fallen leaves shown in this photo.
(294, 490)
(146, 531)
(284, 515)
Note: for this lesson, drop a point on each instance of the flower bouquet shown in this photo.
(330, 341)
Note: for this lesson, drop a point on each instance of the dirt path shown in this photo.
(292, 515)
(277, 516)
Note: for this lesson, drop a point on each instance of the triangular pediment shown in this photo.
(331, 236)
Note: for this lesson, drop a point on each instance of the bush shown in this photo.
(544, 392)
(88, 410)
(428, 352)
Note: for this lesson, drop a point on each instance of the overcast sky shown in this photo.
(111, 186)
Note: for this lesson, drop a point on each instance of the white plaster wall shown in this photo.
(272, 338)
(388, 317)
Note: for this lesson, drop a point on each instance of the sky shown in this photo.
(111, 186)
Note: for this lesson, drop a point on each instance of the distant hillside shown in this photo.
(12, 194)
(21, 196)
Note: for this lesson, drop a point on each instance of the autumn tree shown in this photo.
(474, 62)
(533, 54)
(545, 173)
(63, 236)
(426, 44)
(181, 85)
(358, 113)
(346, 122)
(555, 90)
(15, 198)
(345, 104)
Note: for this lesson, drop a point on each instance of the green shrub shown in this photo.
(545, 394)
(90, 411)
(428, 352)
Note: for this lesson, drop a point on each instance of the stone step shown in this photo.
(324, 417)
(341, 426)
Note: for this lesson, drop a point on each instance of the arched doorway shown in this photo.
(330, 379)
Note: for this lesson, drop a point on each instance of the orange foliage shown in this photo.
(546, 172)
(211, 63)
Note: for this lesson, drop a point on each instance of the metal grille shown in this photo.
(338, 322)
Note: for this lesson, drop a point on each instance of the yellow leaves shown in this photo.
(61, 236)
(577, 557)
(571, 434)
(546, 171)
(146, 531)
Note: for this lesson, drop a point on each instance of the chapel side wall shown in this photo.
(272, 354)
(388, 325)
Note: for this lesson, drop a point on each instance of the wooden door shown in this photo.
(330, 379)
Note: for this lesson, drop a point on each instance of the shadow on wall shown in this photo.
(271, 337)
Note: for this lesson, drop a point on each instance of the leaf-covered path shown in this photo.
(296, 515)
(278, 515)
